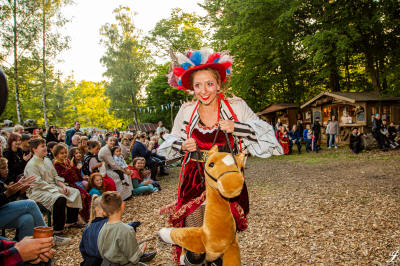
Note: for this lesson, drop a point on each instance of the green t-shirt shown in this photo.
(117, 243)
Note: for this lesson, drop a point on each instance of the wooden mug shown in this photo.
(42, 232)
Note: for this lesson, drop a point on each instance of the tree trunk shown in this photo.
(347, 73)
(372, 72)
(17, 102)
(46, 123)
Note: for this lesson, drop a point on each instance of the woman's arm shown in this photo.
(261, 143)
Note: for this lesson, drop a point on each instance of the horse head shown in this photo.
(223, 172)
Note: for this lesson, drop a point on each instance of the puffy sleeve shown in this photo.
(171, 147)
(265, 143)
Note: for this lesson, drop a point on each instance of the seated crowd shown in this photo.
(386, 136)
(42, 174)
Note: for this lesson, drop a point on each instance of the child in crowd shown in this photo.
(50, 147)
(283, 138)
(72, 176)
(117, 241)
(88, 245)
(119, 160)
(92, 164)
(96, 184)
(307, 135)
(140, 185)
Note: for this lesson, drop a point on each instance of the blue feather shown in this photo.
(228, 71)
(186, 65)
(216, 60)
(179, 82)
(195, 57)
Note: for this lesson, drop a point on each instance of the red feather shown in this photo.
(212, 57)
(178, 71)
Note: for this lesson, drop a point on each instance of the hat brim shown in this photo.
(185, 78)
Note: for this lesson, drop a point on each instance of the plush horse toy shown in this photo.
(217, 237)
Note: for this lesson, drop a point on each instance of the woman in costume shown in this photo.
(203, 123)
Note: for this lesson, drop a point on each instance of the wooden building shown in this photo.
(286, 112)
(352, 109)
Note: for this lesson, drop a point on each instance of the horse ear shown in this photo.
(213, 150)
(240, 159)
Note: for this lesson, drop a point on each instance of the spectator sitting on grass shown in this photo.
(355, 141)
(89, 246)
(28, 251)
(22, 215)
(117, 241)
(16, 160)
(140, 185)
(49, 190)
(75, 141)
(96, 184)
(388, 139)
(50, 147)
(92, 164)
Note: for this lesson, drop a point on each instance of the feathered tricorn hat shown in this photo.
(185, 65)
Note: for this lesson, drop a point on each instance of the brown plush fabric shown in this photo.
(217, 237)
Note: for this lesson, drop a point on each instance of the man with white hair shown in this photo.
(75, 140)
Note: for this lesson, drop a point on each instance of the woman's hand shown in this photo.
(12, 189)
(227, 125)
(72, 161)
(79, 165)
(167, 209)
(27, 157)
(189, 145)
(63, 188)
(148, 182)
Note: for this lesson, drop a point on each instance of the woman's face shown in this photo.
(53, 130)
(111, 142)
(140, 164)
(78, 155)
(62, 155)
(125, 142)
(205, 86)
(84, 142)
(98, 181)
(16, 144)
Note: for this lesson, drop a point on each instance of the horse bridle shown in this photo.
(205, 170)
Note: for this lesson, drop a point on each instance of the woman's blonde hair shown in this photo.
(95, 204)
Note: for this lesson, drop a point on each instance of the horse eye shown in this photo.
(211, 165)
(241, 169)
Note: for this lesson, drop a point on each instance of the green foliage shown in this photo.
(290, 50)
(180, 32)
(126, 61)
(159, 93)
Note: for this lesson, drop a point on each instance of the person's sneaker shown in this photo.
(329, 147)
(61, 240)
(146, 257)
(335, 147)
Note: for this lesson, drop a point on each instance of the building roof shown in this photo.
(277, 107)
(352, 97)
(144, 127)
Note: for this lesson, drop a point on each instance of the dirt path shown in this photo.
(330, 208)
